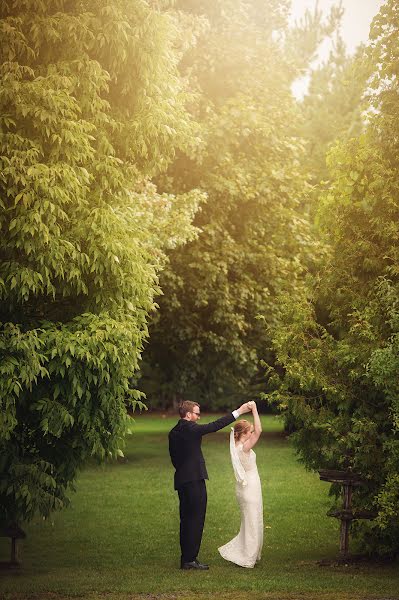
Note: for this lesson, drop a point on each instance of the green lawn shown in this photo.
(120, 535)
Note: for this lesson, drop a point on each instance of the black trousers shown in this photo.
(193, 499)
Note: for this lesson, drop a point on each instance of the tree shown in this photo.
(333, 106)
(92, 106)
(338, 343)
(254, 239)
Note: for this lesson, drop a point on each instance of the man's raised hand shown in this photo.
(244, 408)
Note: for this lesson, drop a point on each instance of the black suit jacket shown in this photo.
(185, 448)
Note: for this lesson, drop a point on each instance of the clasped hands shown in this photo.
(247, 407)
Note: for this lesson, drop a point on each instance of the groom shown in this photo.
(186, 456)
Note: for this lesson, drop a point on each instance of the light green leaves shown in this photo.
(92, 104)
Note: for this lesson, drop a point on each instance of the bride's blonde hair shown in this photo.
(241, 427)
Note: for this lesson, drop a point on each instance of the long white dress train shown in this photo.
(245, 549)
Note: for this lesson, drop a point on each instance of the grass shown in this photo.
(119, 538)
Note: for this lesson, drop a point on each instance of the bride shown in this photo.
(245, 549)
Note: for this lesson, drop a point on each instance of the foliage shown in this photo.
(333, 106)
(208, 338)
(339, 342)
(92, 105)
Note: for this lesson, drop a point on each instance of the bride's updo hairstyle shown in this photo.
(241, 427)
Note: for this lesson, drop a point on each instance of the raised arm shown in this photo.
(220, 423)
(250, 443)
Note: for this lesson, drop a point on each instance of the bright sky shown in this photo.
(356, 20)
(355, 25)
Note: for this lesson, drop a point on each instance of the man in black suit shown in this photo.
(186, 455)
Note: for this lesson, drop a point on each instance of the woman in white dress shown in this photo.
(245, 548)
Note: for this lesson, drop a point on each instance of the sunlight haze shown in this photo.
(355, 27)
(356, 20)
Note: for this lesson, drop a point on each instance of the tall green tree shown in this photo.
(91, 105)
(333, 105)
(338, 344)
(207, 340)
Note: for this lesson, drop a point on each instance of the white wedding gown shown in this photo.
(246, 548)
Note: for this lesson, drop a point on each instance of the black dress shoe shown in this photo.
(202, 566)
(194, 564)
